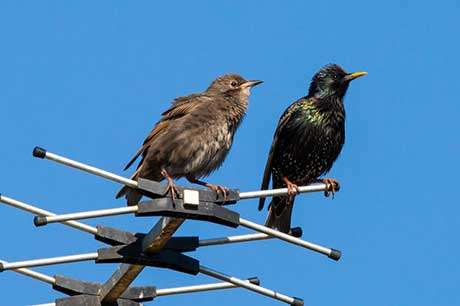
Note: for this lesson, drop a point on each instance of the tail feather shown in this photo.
(266, 178)
(133, 196)
(122, 192)
(279, 216)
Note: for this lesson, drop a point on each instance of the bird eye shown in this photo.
(233, 83)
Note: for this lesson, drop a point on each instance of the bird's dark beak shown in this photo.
(354, 75)
(251, 83)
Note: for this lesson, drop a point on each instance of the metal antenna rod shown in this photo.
(43, 220)
(47, 261)
(281, 191)
(296, 232)
(252, 287)
(331, 253)
(41, 212)
(204, 287)
(233, 239)
(42, 153)
(36, 275)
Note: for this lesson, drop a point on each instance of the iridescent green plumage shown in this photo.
(308, 111)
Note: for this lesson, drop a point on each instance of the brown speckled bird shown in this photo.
(193, 136)
(307, 141)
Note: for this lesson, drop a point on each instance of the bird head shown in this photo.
(232, 84)
(332, 80)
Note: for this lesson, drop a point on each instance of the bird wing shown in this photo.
(179, 108)
(183, 105)
(268, 166)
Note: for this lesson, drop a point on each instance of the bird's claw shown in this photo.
(171, 186)
(219, 189)
(332, 186)
(292, 188)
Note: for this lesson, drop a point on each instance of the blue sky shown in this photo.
(89, 79)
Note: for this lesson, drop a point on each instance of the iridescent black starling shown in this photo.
(193, 136)
(307, 141)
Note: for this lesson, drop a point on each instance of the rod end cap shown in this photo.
(254, 280)
(335, 254)
(39, 152)
(297, 301)
(296, 232)
(40, 220)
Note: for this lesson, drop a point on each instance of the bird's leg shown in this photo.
(293, 189)
(332, 185)
(171, 187)
(216, 188)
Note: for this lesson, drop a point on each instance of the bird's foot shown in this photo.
(171, 186)
(292, 188)
(332, 185)
(218, 189)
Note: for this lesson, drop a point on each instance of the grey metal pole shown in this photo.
(200, 288)
(43, 220)
(42, 212)
(241, 283)
(36, 275)
(281, 191)
(47, 261)
(331, 253)
(42, 153)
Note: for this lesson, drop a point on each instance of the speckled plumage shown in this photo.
(194, 135)
(307, 141)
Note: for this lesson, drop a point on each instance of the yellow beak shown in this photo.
(355, 75)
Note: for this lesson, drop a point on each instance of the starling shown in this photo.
(193, 137)
(308, 139)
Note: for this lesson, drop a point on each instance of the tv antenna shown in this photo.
(158, 247)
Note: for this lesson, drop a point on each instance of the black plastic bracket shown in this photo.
(91, 300)
(82, 299)
(113, 237)
(72, 286)
(155, 189)
(132, 254)
(205, 211)
(127, 248)
(87, 290)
